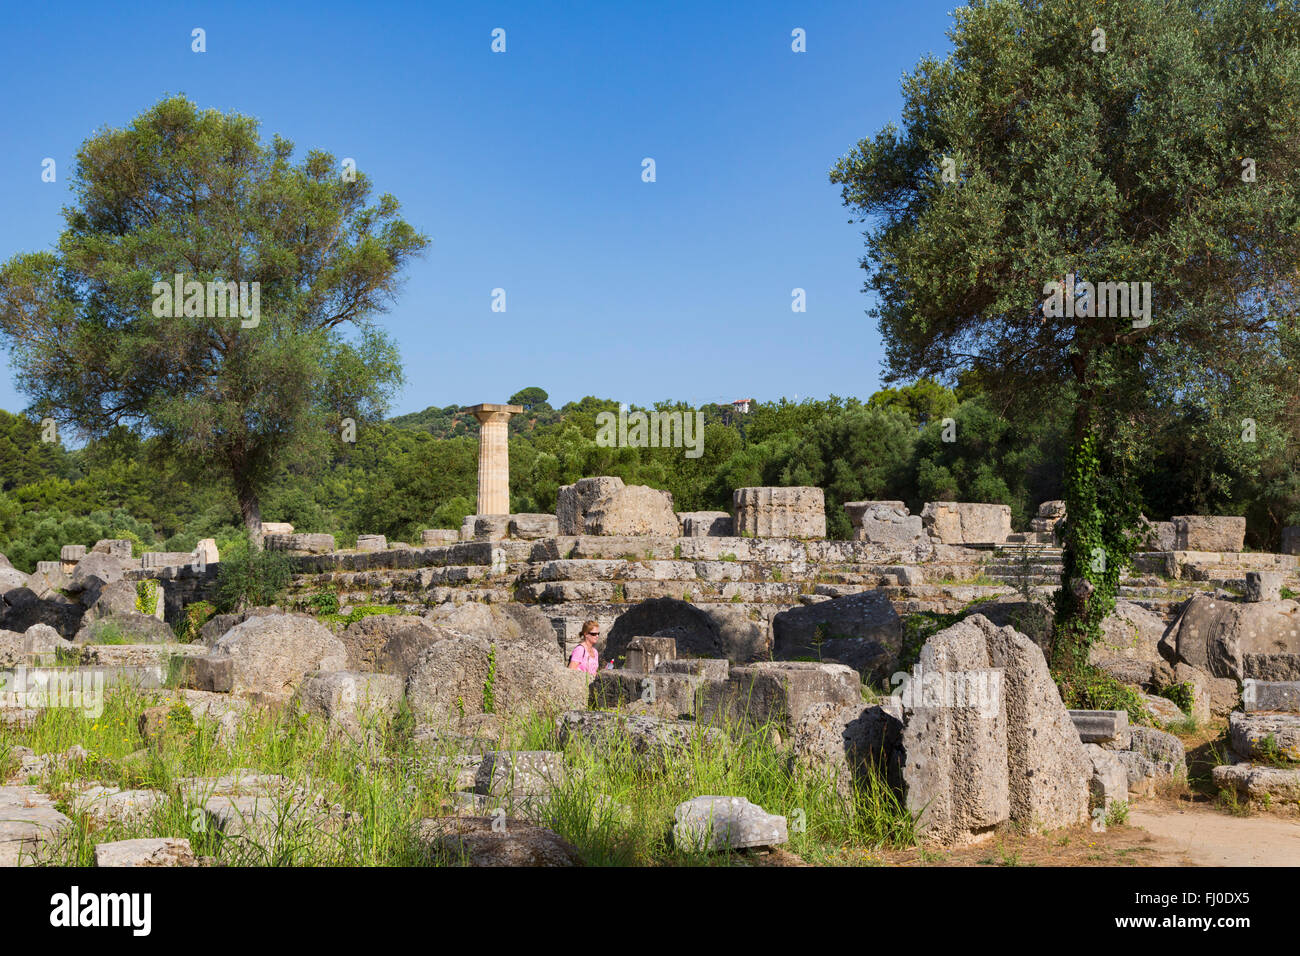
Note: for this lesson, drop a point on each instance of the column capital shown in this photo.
(489, 412)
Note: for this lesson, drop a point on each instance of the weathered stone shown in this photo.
(953, 522)
(532, 527)
(309, 543)
(1263, 586)
(1047, 768)
(700, 630)
(1203, 692)
(372, 542)
(794, 512)
(1162, 749)
(1129, 631)
(1265, 735)
(40, 644)
(1143, 774)
(275, 527)
(490, 527)
(1108, 728)
(1229, 639)
(438, 536)
(776, 693)
(111, 600)
(862, 631)
(509, 623)
(1261, 784)
(1109, 780)
(388, 643)
(651, 739)
(451, 677)
(164, 851)
(712, 824)
(218, 625)
(1159, 535)
(96, 570)
(663, 694)
(644, 654)
(72, 553)
(130, 628)
(166, 559)
(350, 700)
(708, 668)
(1165, 711)
(1034, 618)
(1259, 695)
(105, 805)
(270, 655)
(497, 841)
(519, 774)
(115, 547)
(605, 506)
(205, 552)
(706, 524)
(30, 826)
(887, 523)
(1204, 533)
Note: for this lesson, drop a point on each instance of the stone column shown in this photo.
(494, 457)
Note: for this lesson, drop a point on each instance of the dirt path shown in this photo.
(1207, 837)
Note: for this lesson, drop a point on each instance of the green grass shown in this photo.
(613, 805)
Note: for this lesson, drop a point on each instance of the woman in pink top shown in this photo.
(585, 656)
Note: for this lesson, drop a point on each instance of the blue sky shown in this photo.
(525, 170)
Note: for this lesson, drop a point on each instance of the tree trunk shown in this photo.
(251, 510)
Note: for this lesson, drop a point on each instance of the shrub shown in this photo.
(193, 618)
(249, 577)
(146, 597)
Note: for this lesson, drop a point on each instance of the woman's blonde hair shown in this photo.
(588, 625)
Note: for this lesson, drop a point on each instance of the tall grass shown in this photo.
(358, 800)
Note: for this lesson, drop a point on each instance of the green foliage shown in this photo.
(193, 618)
(250, 577)
(1181, 694)
(325, 601)
(96, 348)
(1088, 688)
(489, 683)
(146, 597)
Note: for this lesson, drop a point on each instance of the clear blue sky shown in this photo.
(525, 170)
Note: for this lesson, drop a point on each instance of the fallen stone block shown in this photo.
(430, 537)
(1265, 735)
(305, 543)
(776, 693)
(957, 522)
(706, 524)
(862, 631)
(372, 542)
(165, 851)
(1109, 781)
(1260, 784)
(1107, 728)
(644, 654)
(654, 740)
(1259, 695)
(606, 506)
(793, 512)
(533, 527)
(351, 700)
(708, 668)
(1204, 533)
(1263, 586)
(713, 824)
(496, 840)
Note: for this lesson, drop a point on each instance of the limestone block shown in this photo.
(795, 512)
(955, 522)
(1205, 533)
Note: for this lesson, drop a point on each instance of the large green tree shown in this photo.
(1118, 141)
(198, 194)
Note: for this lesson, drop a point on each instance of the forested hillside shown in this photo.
(419, 471)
